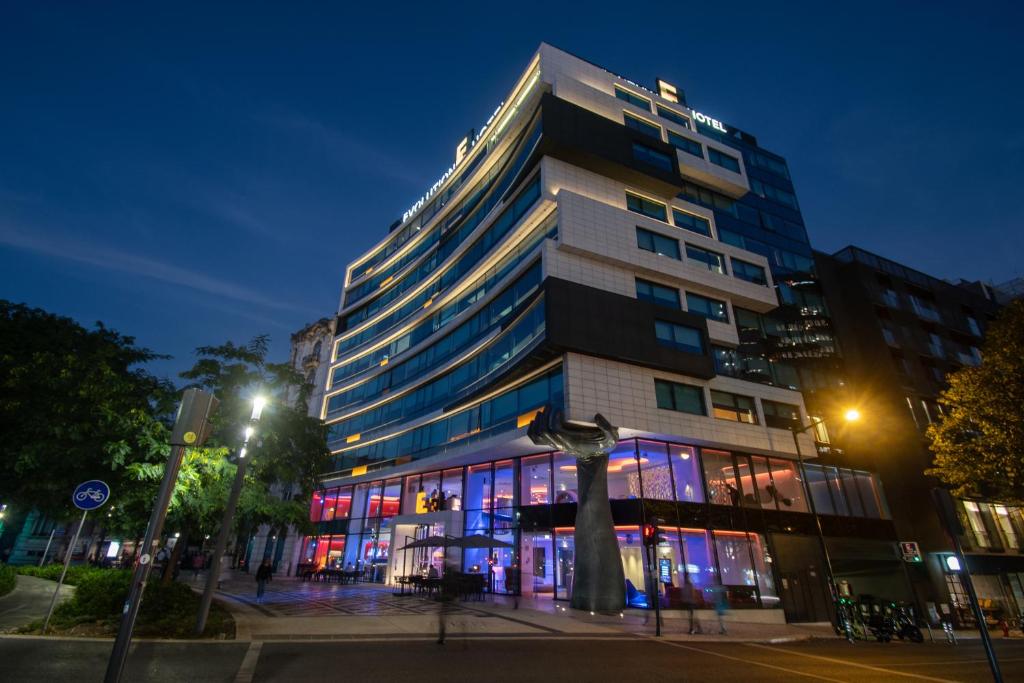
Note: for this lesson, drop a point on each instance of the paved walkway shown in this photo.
(29, 601)
(294, 610)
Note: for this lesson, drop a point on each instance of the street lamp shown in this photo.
(258, 403)
(850, 415)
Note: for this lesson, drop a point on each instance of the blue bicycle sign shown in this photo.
(90, 494)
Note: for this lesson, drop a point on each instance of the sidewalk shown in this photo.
(29, 601)
(293, 610)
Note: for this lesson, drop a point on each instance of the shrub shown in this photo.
(52, 572)
(7, 579)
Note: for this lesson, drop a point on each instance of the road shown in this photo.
(548, 658)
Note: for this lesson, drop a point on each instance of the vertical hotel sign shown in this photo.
(462, 150)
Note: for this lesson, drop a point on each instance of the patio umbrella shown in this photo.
(478, 541)
(428, 542)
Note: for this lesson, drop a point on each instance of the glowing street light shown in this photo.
(851, 415)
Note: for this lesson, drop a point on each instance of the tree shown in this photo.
(289, 450)
(979, 444)
(74, 405)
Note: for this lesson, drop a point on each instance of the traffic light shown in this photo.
(649, 532)
(659, 536)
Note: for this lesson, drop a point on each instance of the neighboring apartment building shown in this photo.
(310, 357)
(902, 332)
(591, 248)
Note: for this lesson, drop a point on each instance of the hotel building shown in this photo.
(603, 248)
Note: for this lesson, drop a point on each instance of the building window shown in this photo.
(652, 157)
(726, 361)
(973, 324)
(657, 294)
(890, 298)
(659, 244)
(712, 309)
(686, 144)
(749, 272)
(724, 160)
(768, 164)
(924, 308)
(627, 96)
(976, 523)
(679, 337)
(780, 415)
(666, 113)
(775, 194)
(687, 221)
(682, 398)
(819, 429)
(646, 207)
(1002, 516)
(733, 407)
(645, 127)
(889, 335)
(711, 260)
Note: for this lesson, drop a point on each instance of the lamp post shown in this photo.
(224, 533)
(851, 415)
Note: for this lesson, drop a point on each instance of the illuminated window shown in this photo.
(646, 207)
(712, 309)
(733, 407)
(627, 96)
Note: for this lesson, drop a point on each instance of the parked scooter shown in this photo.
(905, 621)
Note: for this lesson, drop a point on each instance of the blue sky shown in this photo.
(192, 173)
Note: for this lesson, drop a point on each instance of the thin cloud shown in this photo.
(117, 260)
(343, 147)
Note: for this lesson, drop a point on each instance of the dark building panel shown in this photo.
(620, 328)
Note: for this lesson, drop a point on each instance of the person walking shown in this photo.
(691, 599)
(264, 573)
(198, 563)
(721, 606)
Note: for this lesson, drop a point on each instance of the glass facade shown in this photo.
(517, 500)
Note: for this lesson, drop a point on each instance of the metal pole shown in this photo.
(46, 552)
(67, 561)
(221, 546)
(119, 655)
(830, 577)
(986, 641)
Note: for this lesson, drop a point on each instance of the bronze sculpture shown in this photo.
(599, 583)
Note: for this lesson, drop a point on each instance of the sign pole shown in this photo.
(190, 428)
(46, 552)
(67, 561)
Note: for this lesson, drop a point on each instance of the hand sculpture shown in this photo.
(598, 582)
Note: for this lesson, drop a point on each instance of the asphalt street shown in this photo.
(507, 659)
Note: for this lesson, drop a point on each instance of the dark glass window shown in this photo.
(749, 272)
(768, 164)
(627, 96)
(712, 309)
(711, 260)
(666, 113)
(724, 160)
(657, 294)
(773, 193)
(683, 398)
(686, 144)
(678, 336)
(644, 127)
(659, 244)
(652, 156)
(780, 415)
(646, 207)
(687, 221)
(733, 407)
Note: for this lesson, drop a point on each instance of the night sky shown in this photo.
(190, 174)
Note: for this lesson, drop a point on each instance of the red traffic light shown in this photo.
(649, 533)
